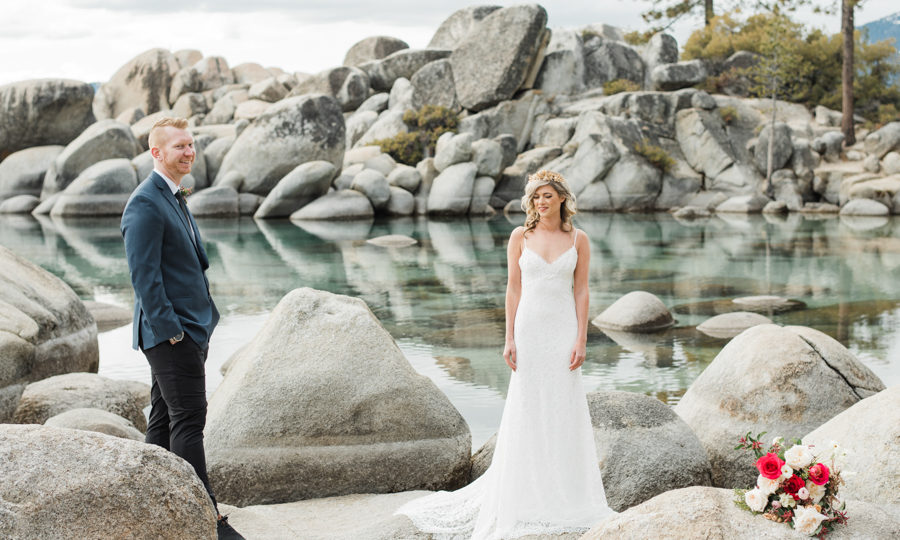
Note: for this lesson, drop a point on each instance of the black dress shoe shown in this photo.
(224, 531)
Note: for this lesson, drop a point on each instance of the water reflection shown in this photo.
(442, 298)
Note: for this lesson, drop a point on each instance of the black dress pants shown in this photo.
(178, 402)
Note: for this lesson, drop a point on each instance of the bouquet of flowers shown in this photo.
(796, 485)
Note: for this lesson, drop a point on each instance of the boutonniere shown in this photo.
(185, 191)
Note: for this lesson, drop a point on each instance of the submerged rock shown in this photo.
(637, 311)
(728, 325)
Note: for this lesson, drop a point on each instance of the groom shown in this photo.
(174, 314)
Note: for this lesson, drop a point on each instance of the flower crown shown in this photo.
(544, 175)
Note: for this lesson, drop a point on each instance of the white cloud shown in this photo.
(90, 39)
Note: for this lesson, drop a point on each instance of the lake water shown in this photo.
(442, 299)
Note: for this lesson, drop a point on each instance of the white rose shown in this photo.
(807, 520)
(798, 456)
(756, 500)
(803, 493)
(816, 492)
(786, 472)
(767, 485)
(787, 501)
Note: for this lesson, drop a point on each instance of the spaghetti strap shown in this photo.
(575, 238)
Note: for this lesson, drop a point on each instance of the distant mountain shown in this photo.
(884, 28)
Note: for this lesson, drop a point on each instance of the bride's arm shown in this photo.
(513, 293)
(582, 299)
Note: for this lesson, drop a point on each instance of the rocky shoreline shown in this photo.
(330, 440)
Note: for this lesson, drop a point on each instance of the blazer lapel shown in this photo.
(180, 215)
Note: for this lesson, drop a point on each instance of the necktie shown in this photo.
(187, 216)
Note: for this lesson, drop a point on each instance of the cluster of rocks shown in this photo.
(45, 330)
(513, 82)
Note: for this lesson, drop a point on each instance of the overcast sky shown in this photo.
(89, 40)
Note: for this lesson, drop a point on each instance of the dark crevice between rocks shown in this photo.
(822, 356)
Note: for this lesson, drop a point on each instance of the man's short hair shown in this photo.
(163, 122)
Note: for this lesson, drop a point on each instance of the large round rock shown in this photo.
(322, 402)
(496, 57)
(342, 204)
(451, 192)
(64, 483)
(293, 131)
(142, 82)
(45, 329)
(784, 381)
(107, 139)
(644, 448)
(637, 311)
(97, 420)
(705, 512)
(870, 431)
(457, 26)
(298, 188)
(49, 397)
(100, 190)
(43, 112)
(373, 48)
(22, 173)
(219, 201)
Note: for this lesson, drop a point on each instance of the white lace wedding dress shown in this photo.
(544, 476)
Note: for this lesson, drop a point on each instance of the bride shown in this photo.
(544, 477)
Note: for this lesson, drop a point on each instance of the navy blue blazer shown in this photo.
(171, 292)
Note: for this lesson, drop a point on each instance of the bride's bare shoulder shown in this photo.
(518, 234)
(581, 239)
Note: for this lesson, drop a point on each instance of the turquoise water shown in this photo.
(442, 299)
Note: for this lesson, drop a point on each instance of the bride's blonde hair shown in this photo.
(557, 182)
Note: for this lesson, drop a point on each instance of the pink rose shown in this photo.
(770, 466)
(819, 474)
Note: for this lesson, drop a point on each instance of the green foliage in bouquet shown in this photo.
(796, 485)
(425, 126)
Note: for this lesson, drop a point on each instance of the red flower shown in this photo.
(792, 485)
(770, 466)
(819, 474)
